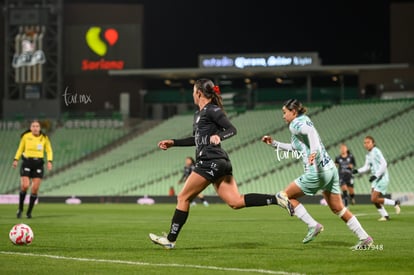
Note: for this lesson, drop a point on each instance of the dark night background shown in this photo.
(176, 32)
(343, 32)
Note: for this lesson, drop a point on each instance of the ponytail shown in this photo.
(294, 104)
(217, 100)
(210, 91)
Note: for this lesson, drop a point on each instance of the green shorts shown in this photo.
(380, 186)
(311, 182)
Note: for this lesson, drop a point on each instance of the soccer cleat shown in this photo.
(353, 201)
(313, 231)
(384, 219)
(397, 207)
(205, 203)
(162, 240)
(363, 244)
(29, 215)
(19, 214)
(283, 201)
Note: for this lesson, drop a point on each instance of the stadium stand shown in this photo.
(388, 122)
(9, 141)
(70, 143)
(137, 167)
(150, 175)
(401, 174)
(394, 140)
(121, 157)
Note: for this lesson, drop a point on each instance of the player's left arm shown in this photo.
(382, 165)
(314, 144)
(49, 152)
(182, 179)
(227, 128)
(353, 162)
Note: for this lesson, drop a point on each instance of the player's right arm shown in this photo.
(19, 152)
(363, 169)
(167, 143)
(270, 141)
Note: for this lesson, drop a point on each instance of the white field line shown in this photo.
(206, 267)
(364, 214)
(375, 213)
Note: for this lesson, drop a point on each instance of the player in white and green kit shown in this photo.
(377, 165)
(320, 173)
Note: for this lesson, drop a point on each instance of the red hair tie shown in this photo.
(216, 89)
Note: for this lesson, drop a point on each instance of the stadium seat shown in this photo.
(139, 168)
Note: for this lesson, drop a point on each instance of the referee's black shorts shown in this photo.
(32, 168)
(213, 170)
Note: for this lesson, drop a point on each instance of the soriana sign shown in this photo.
(99, 48)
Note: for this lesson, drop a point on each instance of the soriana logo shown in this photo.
(99, 42)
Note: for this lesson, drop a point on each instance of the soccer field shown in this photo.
(113, 238)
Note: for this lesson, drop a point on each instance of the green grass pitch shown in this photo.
(113, 239)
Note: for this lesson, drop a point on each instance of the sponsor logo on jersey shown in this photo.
(211, 173)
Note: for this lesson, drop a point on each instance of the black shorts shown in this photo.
(346, 179)
(32, 168)
(213, 170)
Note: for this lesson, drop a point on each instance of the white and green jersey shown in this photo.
(305, 140)
(376, 163)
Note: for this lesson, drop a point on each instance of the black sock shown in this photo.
(178, 220)
(202, 199)
(254, 199)
(22, 196)
(33, 199)
(345, 197)
(352, 195)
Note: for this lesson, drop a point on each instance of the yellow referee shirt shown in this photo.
(34, 147)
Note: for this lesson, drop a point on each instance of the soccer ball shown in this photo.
(21, 234)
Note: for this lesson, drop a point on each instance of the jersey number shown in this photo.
(324, 162)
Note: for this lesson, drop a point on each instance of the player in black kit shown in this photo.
(211, 126)
(345, 163)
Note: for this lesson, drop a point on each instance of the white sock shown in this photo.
(302, 213)
(382, 211)
(389, 202)
(356, 227)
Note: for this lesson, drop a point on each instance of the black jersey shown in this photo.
(209, 121)
(343, 164)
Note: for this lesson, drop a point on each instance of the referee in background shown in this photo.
(33, 144)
